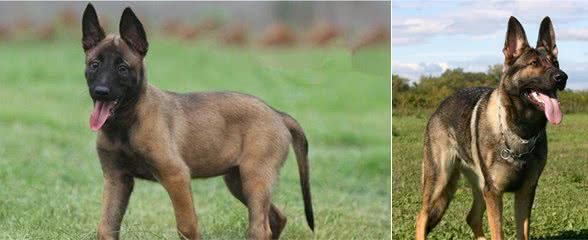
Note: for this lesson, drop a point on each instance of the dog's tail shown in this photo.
(300, 145)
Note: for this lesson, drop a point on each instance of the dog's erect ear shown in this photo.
(92, 32)
(546, 37)
(516, 41)
(132, 32)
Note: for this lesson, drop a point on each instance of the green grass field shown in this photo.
(560, 210)
(50, 178)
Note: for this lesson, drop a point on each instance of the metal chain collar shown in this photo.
(508, 154)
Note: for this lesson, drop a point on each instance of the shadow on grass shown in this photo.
(575, 234)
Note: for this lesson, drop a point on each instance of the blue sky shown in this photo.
(431, 36)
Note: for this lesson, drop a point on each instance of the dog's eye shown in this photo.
(123, 70)
(94, 65)
(534, 63)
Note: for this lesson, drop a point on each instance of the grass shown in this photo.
(50, 178)
(560, 209)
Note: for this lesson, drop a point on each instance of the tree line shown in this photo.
(426, 94)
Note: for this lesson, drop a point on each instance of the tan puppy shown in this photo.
(168, 137)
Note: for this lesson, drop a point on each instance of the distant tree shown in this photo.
(399, 84)
(495, 71)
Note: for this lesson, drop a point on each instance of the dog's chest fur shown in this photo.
(469, 119)
(503, 174)
(128, 158)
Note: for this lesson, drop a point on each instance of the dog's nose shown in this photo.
(101, 91)
(560, 77)
(560, 80)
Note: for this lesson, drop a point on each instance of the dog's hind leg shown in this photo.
(439, 180)
(256, 185)
(434, 208)
(276, 217)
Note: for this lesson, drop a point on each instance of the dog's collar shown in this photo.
(507, 153)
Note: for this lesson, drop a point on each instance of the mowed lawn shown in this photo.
(51, 181)
(560, 210)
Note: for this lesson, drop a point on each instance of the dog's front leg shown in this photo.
(176, 181)
(523, 204)
(118, 187)
(525, 196)
(493, 201)
(115, 198)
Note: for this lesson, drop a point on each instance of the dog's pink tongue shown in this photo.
(552, 111)
(100, 114)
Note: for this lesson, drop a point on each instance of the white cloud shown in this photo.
(413, 71)
(580, 34)
(482, 18)
(417, 4)
(490, 35)
(423, 25)
(399, 41)
(415, 30)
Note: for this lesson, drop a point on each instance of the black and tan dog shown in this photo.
(495, 137)
(147, 133)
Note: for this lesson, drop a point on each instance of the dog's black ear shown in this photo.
(546, 37)
(92, 32)
(516, 41)
(132, 32)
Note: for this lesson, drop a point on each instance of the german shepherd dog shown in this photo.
(495, 137)
(147, 133)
